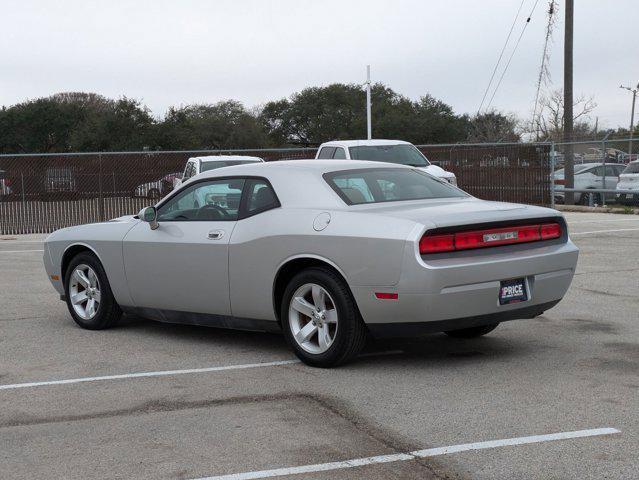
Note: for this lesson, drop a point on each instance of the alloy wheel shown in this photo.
(313, 319)
(84, 292)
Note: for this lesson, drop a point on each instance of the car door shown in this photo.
(183, 264)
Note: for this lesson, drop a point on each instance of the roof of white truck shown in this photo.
(361, 143)
(227, 158)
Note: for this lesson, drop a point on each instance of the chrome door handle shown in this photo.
(215, 234)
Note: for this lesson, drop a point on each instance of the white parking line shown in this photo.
(147, 374)
(20, 251)
(606, 231)
(400, 457)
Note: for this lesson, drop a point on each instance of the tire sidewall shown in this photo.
(347, 315)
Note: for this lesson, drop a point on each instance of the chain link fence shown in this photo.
(40, 193)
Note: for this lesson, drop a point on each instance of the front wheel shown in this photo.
(472, 332)
(88, 293)
(320, 319)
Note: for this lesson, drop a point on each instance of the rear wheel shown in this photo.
(320, 319)
(472, 332)
(88, 293)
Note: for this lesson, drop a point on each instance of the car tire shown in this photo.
(106, 312)
(472, 332)
(345, 337)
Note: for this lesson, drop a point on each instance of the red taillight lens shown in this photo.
(550, 230)
(436, 243)
(488, 238)
(559, 182)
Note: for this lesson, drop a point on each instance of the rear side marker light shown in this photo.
(494, 237)
(386, 296)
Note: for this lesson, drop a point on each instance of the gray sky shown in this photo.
(177, 52)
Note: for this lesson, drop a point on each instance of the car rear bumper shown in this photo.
(454, 292)
(414, 329)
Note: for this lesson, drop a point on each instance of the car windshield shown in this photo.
(402, 154)
(212, 165)
(374, 185)
(578, 168)
(632, 168)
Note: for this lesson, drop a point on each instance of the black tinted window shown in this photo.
(388, 185)
(260, 197)
(326, 152)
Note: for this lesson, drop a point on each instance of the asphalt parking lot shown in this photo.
(209, 403)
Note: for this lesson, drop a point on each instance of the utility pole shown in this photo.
(632, 115)
(369, 131)
(569, 165)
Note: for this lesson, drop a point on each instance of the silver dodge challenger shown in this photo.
(329, 252)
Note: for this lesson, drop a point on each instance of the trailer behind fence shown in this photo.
(40, 193)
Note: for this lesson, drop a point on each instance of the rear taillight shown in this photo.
(559, 181)
(549, 231)
(450, 242)
(437, 243)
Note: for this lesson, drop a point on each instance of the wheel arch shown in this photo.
(70, 252)
(290, 267)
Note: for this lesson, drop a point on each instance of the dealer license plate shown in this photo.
(513, 291)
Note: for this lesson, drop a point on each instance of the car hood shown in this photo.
(436, 171)
(453, 212)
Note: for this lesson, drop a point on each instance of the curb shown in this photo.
(585, 209)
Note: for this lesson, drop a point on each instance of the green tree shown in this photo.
(493, 126)
(223, 125)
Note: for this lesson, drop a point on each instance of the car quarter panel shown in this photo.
(367, 249)
(103, 239)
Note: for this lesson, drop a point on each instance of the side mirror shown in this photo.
(150, 216)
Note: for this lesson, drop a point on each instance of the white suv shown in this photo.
(391, 151)
(629, 180)
(197, 165)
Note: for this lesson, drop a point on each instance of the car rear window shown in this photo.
(206, 166)
(375, 185)
(403, 154)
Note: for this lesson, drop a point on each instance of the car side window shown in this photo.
(260, 197)
(339, 153)
(612, 171)
(326, 152)
(215, 200)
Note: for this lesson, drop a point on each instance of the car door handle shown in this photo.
(215, 234)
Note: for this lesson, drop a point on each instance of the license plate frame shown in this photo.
(512, 291)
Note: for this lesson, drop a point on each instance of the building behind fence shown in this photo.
(40, 193)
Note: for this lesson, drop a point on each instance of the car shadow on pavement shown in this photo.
(430, 349)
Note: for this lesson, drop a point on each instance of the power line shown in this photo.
(501, 54)
(512, 54)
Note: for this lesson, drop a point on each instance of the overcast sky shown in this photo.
(201, 51)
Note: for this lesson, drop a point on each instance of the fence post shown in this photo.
(100, 195)
(552, 174)
(603, 166)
